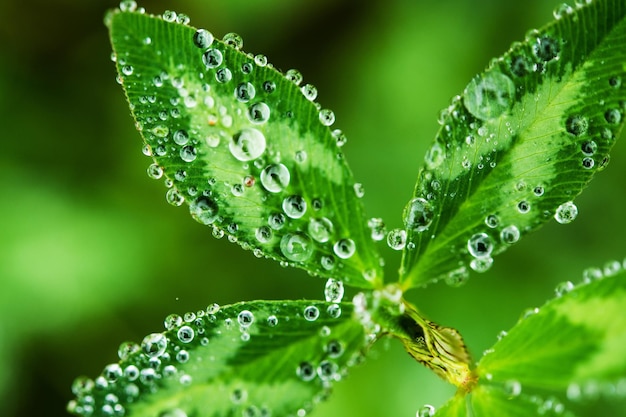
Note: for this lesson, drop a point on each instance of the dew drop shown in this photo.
(294, 76)
(334, 311)
(396, 239)
(204, 210)
(512, 388)
(185, 334)
(480, 245)
(340, 137)
(174, 197)
(320, 229)
(223, 75)
(576, 125)
(418, 215)
(247, 144)
(523, 206)
(126, 349)
(481, 264)
(588, 148)
(169, 16)
(566, 212)
(613, 116)
(538, 191)
(434, 156)
(245, 92)
(128, 5)
(492, 221)
(276, 221)
(272, 321)
(172, 321)
(264, 234)
(294, 206)
(202, 38)
(245, 318)
(546, 48)
(305, 371)
(155, 171)
(615, 82)
(296, 247)
(154, 345)
(260, 60)
(344, 248)
(212, 58)
(588, 163)
(426, 411)
(457, 277)
(127, 70)
(234, 40)
(311, 313)
(309, 91)
(489, 96)
(327, 117)
(182, 356)
(258, 113)
(275, 178)
(563, 288)
(333, 291)
(510, 234)
(562, 10)
(326, 370)
(377, 226)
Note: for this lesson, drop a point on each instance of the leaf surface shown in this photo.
(518, 145)
(245, 146)
(572, 340)
(257, 358)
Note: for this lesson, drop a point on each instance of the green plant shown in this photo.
(255, 158)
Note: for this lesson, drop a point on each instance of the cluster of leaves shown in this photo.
(255, 158)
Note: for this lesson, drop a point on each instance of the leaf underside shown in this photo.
(241, 144)
(522, 141)
(257, 358)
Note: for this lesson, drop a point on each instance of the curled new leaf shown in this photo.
(518, 145)
(244, 146)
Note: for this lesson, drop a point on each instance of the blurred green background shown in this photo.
(91, 254)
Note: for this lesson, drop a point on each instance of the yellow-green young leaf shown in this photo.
(245, 146)
(519, 144)
(576, 338)
(253, 359)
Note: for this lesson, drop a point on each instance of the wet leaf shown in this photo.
(257, 358)
(573, 339)
(518, 145)
(244, 146)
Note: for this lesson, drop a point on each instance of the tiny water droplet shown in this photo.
(272, 321)
(294, 76)
(174, 197)
(258, 113)
(426, 411)
(155, 171)
(481, 264)
(309, 91)
(305, 371)
(327, 117)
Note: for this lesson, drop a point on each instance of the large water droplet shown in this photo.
(188, 153)
(490, 95)
(185, 334)
(275, 178)
(566, 212)
(202, 38)
(174, 197)
(480, 245)
(510, 234)
(296, 247)
(320, 229)
(418, 215)
(247, 144)
(577, 125)
(259, 113)
(426, 411)
(327, 117)
(204, 210)
(333, 291)
(154, 345)
(294, 206)
(245, 318)
(344, 248)
(234, 40)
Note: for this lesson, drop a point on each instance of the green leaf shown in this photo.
(522, 141)
(256, 358)
(573, 339)
(486, 400)
(455, 407)
(244, 146)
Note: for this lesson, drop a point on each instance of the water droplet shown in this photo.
(258, 113)
(344, 248)
(128, 5)
(247, 68)
(492, 221)
(563, 288)
(326, 370)
(185, 334)
(566, 212)
(294, 76)
(418, 215)
(234, 40)
(490, 95)
(611, 268)
(396, 239)
(276, 221)
(327, 117)
(434, 156)
(245, 92)
(296, 247)
(212, 58)
(188, 153)
(305, 371)
(204, 210)
(613, 116)
(546, 48)
(309, 91)
(245, 318)
(333, 291)
(588, 163)
(155, 171)
(131, 372)
(223, 75)
(562, 10)
(480, 245)
(512, 388)
(202, 38)
(174, 197)
(172, 321)
(328, 263)
(340, 137)
(538, 191)
(523, 206)
(481, 264)
(615, 82)
(457, 277)
(320, 229)
(359, 190)
(112, 372)
(127, 70)
(169, 16)
(154, 345)
(577, 125)
(260, 60)
(294, 206)
(263, 234)
(275, 178)
(426, 411)
(589, 147)
(247, 144)
(311, 313)
(377, 226)
(272, 321)
(510, 234)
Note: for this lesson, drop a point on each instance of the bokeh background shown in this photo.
(92, 255)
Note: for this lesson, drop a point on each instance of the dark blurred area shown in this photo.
(91, 255)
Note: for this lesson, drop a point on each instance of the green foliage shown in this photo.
(252, 154)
